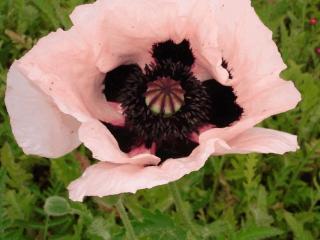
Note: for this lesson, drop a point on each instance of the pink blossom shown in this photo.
(88, 84)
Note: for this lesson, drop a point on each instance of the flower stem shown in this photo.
(181, 209)
(125, 220)
(45, 234)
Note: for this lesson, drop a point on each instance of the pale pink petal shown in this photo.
(228, 133)
(39, 127)
(263, 141)
(196, 17)
(259, 106)
(255, 62)
(129, 36)
(104, 179)
(277, 98)
(66, 70)
(143, 150)
(246, 42)
(63, 65)
(122, 32)
(104, 146)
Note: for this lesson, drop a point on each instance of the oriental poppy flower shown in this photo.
(152, 88)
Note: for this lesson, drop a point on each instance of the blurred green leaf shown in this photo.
(257, 233)
(159, 226)
(18, 177)
(65, 169)
(48, 10)
(297, 228)
(99, 228)
(3, 223)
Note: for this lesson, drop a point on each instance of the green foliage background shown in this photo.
(232, 197)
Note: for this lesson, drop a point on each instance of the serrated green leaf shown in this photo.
(297, 228)
(99, 228)
(19, 205)
(48, 10)
(3, 224)
(65, 169)
(259, 209)
(160, 226)
(257, 233)
(18, 177)
(216, 229)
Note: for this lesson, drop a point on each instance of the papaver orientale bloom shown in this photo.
(152, 88)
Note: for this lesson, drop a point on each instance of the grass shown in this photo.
(232, 197)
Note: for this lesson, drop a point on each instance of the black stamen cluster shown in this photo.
(175, 52)
(159, 128)
(207, 102)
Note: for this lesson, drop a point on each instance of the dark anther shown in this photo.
(175, 52)
(175, 148)
(115, 80)
(126, 139)
(224, 109)
(225, 65)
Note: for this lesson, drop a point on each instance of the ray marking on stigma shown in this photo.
(164, 96)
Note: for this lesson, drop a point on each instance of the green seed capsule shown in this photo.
(164, 96)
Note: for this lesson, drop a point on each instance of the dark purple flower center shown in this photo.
(165, 104)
